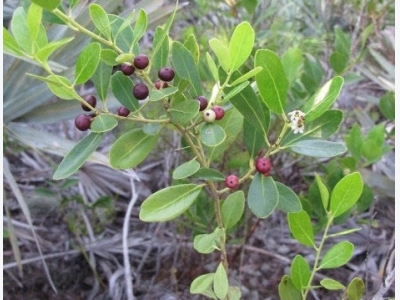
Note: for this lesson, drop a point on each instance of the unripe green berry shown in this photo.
(209, 115)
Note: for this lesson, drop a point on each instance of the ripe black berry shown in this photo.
(140, 91)
(232, 181)
(219, 112)
(91, 100)
(263, 165)
(158, 84)
(82, 122)
(141, 61)
(203, 102)
(166, 74)
(123, 111)
(209, 115)
(127, 69)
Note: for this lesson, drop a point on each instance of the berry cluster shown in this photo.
(82, 121)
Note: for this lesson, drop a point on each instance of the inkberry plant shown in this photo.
(249, 99)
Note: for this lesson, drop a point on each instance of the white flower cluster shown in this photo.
(297, 118)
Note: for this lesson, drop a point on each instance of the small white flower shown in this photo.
(297, 128)
(297, 118)
(295, 115)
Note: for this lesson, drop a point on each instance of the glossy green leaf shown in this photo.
(331, 284)
(241, 45)
(34, 20)
(152, 128)
(323, 99)
(131, 149)
(300, 272)
(346, 193)
(209, 174)
(313, 73)
(356, 289)
(207, 243)
(20, 31)
(62, 90)
(185, 66)
(338, 62)
(123, 38)
(101, 79)
(77, 156)
(271, 81)
(263, 195)
(100, 19)
(387, 106)
(288, 200)
(44, 52)
(337, 256)
(318, 148)
(87, 62)
(222, 53)
(253, 139)
(140, 27)
(292, 60)
(186, 169)
(48, 4)
(287, 291)
(301, 227)
(203, 285)
(212, 67)
(122, 87)
(192, 45)
(212, 134)
(234, 293)
(10, 45)
(221, 284)
(236, 90)
(354, 141)
(232, 209)
(323, 190)
(156, 95)
(109, 57)
(103, 123)
(169, 202)
(161, 48)
(181, 113)
(246, 76)
(124, 57)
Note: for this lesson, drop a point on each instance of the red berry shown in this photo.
(82, 122)
(158, 83)
(203, 102)
(141, 61)
(219, 112)
(123, 111)
(127, 69)
(140, 91)
(232, 181)
(166, 74)
(91, 100)
(263, 165)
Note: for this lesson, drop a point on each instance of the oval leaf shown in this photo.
(48, 4)
(263, 196)
(221, 284)
(241, 45)
(131, 149)
(122, 87)
(87, 63)
(101, 79)
(103, 123)
(202, 283)
(301, 228)
(157, 95)
(356, 289)
(181, 113)
(337, 256)
(209, 174)
(318, 148)
(287, 290)
(62, 90)
(331, 284)
(323, 190)
(77, 156)
(185, 170)
(288, 200)
(211, 135)
(169, 203)
(207, 243)
(222, 53)
(100, 19)
(300, 272)
(232, 209)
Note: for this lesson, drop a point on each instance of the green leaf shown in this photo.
(182, 112)
(109, 57)
(241, 45)
(122, 87)
(212, 134)
(331, 284)
(292, 61)
(100, 19)
(263, 196)
(212, 67)
(245, 76)
(323, 99)
(337, 256)
(209, 174)
(387, 106)
(318, 148)
(234, 293)
(354, 141)
(301, 228)
(103, 123)
(156, 95)
(34, 20)
(131, 149)
(287, 291)
(44, 52)
(161, 48)
(338, 62)
(207, 243)
(186, 169)
(253, 139)
(300, 272)
(346, 193)
(342, 43)
(87, 63)
(236, 90)
(101, 79)
(271, 81)
(20, 30)
(232, 209)
(185, 66)
(323, 190)
(123, 38)
(356, 289)
(222, 53)
(61, 91)
(313, 73)
(48, 4)
(221, 284)
(169, 202)
(203, 284)
(288, 200)
(77, 156)
(10, 45)
(192, 45)
(140, 27)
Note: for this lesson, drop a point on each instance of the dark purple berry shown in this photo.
(219, 112)
(263, 165)
(166, 74)
(203, 102)
(127, 69)
(91, 100)
(140, 91)
(158, 84)
(232, 181)
(123, 111)
(141, 61)
(82, 122)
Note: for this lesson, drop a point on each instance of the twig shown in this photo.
(385, 286)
